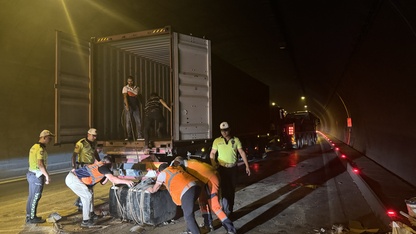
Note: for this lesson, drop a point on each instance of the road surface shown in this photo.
(297, 191)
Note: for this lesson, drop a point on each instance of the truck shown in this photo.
(299, 129)
(291, 130)
(202, 89)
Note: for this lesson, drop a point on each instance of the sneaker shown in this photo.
(87, 223)
(35, 220)
(126, 139)
(140, 139)
(94, 216)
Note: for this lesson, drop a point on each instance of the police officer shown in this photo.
(228, 148)
(37, 176)
(85, 153)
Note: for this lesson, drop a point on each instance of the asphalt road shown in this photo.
(297, 191)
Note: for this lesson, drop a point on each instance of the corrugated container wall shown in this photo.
(112, 66)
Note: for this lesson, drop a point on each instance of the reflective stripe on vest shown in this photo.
(183, 181)
(95, 175)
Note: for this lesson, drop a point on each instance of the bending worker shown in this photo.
(184, 190)
(79, 180)
(209, 176)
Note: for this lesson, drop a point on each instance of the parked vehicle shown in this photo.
(291, 130)
(300, 129)
(202, 90)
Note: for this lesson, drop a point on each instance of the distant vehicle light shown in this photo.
(391, 213)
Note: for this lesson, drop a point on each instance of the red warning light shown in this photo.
(333, 144)
(391, 213)
(356, 171)
(343, 156)
(336, 148)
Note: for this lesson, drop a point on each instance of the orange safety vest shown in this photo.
(202, 171)
(94, 175)
(177, 182)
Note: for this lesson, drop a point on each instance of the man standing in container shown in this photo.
(132, 110)
(228, 148)
(37, 176)
(85, 153)
(153, 112)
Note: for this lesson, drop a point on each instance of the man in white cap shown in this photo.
(37, 175)
(85, 153)
(228, 148)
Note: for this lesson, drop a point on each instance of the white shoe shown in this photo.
(140, 139)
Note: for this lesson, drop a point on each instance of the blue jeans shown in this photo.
(35, 193)
(135, 114)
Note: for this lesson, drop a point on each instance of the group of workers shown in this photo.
(152, 111)
(87, 170)
(186, 180)
(189, 180)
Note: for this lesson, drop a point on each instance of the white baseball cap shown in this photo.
(224, 125)
(92, 131)
(45, 133)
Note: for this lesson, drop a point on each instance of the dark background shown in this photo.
(349, 58)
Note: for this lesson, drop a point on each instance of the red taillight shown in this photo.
(356, 171)
(343, 156)
(391, 213)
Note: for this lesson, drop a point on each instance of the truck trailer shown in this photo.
(300, 129)
(202, 90)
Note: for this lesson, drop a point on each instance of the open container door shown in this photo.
(192, 91)
(72, 88)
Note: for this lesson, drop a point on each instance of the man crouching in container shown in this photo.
(184, 190)
(79, 179)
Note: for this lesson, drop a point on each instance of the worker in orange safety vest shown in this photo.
(184, 190)
(208, 200)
